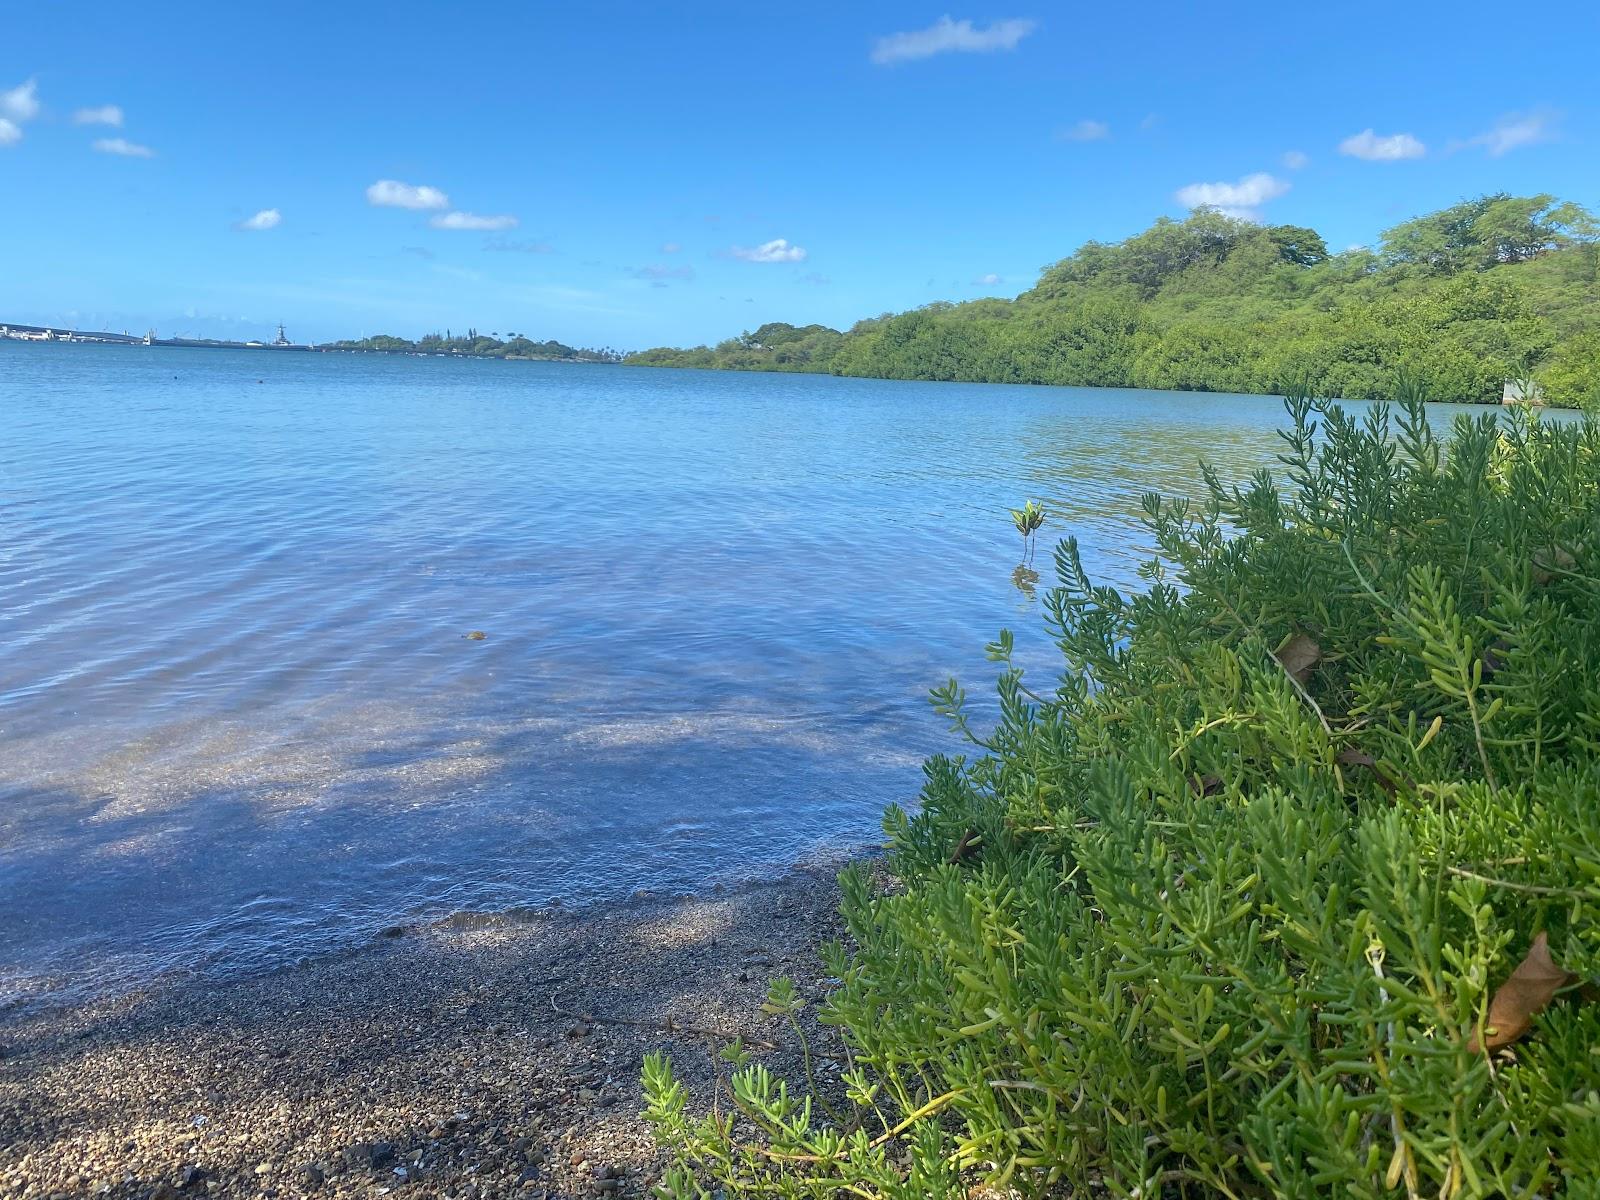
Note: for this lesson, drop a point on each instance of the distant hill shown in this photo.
(1488, 290)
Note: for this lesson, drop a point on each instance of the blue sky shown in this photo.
(648, 174)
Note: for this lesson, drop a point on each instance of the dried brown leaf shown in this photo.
(1299, 654)
(1351, 757)
(1521, 997)
(966, 847)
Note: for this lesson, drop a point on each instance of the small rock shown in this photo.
(578, 1029)
(263, 1168)
(190, 1176)
(164, 1191)
(476, 635)
(371, 1154)
(312, 1175)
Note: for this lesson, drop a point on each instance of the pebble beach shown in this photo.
(439, 1061)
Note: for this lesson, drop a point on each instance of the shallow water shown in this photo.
(239, 718)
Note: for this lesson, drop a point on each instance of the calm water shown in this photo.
(239, 720)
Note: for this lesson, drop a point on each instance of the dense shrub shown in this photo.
(1224, 913)
(1465, 298)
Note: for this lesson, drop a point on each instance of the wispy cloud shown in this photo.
(1242, 199)
(815, 279)
(1085, 131)
(778, 250)
(473, 223)
(1515, 130)
(670, 248)
(20, 103)
(391, 193)
(988, 280)
(267, 218)
(946, 36)
(123, 148)
(1296, 160)
(1392, 148)
(17, 105)
(660, 271)
(106, 114)
(507, 246)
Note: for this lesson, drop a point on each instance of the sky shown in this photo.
(632, 175)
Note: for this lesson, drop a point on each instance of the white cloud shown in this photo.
(988, 280)
(21, 103)
(1296, 160)
(1242, 199)
(1086, 131)
(391, 193)
(267, 218)
(945, 36)
(670, 248)
(778, 250)
(1514, 130)
(472, 222)
(10, 132)
(1393, 148)
(106, 114)
(123, 147)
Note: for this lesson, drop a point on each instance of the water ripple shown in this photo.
(241, 722)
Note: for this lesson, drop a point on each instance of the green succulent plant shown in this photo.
(1288, 887)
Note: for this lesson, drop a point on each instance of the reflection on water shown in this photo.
(1026, 580)
(241, 719)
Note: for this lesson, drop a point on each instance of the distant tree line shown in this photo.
(478, 345)
(1496, 288)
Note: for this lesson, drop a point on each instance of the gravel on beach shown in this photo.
(436, 1062)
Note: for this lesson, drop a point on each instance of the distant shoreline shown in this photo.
(58, 335)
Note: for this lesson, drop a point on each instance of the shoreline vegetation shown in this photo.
(1501, 289)
(1289, 885)
(514, 347)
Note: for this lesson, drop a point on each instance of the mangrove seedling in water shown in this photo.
(1027, 519)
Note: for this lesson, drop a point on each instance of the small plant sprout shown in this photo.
(1027, 519)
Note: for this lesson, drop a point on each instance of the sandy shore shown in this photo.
(433, 1063)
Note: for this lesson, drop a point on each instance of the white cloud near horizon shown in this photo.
(1370, 146)
(10, 132)
(20, 103)
(1514, 130)
(946, 36)
(391, 193)
(1242, 199)
(106, 114)
(1085, 130)
(123, 148)
(988, 280)
(473, 223)
(267, 218)
(1296, 160)
(778, 250)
